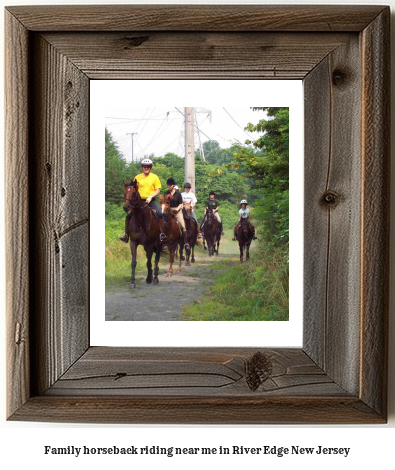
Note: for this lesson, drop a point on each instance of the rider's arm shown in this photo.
(155, 193)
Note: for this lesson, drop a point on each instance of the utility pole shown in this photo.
(132, 134)
(189, 149)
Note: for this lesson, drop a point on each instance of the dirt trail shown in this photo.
(164, 301)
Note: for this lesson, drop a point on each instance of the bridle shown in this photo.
(134, 202)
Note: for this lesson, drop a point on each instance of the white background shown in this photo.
(22, 444)
(216, 93)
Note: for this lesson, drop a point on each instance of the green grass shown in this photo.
(118, 257)
(254, 291)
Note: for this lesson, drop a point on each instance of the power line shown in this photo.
(195, 126)
(249, 136)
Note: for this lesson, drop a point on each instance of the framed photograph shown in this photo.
(339, 375)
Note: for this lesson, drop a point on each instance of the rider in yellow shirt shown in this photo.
(149, 187)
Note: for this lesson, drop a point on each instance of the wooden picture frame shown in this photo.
(340, 374)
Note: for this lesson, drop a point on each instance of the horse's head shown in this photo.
(245, 225)
(210, 216)
(131, 194)
(187, 209)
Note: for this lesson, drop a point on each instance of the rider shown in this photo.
(244, 213)
(176, 207)
(212, 203)
(149, 187)
(190, 198)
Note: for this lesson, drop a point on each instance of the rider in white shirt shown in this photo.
(244, 213)
(189, 197)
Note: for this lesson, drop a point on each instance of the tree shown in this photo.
(115, 166)
(269, 169)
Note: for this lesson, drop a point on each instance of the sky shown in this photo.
(160, 130)
(150, 110)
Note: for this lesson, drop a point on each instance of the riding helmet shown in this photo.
(170, 181)
(211, 193)
(187, 185)
(243, 201)
(146, 162)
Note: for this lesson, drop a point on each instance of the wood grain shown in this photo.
(376, 211)
(196, 18)
(199, 55)
(60, 249)
(339, 376)
(332, 214)
(17, 187)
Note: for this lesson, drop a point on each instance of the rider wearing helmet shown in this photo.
(244, 213)
(190, 198)
(213, 204)
(149, 187)
(176, 207)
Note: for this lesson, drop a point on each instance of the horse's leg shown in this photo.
(180, 248)
(204, 243)
(241, 246)
(133, 249)
(188, 256)
(248, 250)
(171, 253)
(149, 251)
(193, 254)
(156, 269)
(217, 246)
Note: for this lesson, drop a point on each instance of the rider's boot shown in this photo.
(162, 235)
(125, 238)
(185, 237)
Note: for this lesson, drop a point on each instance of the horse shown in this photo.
(192, 231)
(211, 233)
(143, 229)
(244, 236)
(173, 233)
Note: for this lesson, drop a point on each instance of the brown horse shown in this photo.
(192, 231)
(143, 229)
(211, 233)
(244, 235)
(173, 233)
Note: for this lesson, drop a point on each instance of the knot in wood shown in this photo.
(339, 77)
(259, 369)
(330, 198)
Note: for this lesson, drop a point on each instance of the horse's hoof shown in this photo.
(205, 248)
(192, 260)
(148, 281)
(182, 258)
(156, 281)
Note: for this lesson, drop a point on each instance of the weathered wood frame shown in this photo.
(340, 374)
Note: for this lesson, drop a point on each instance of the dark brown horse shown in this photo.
(244, 235)
(211, 233)
(173, 233)
(192, 231)
(143, 229)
